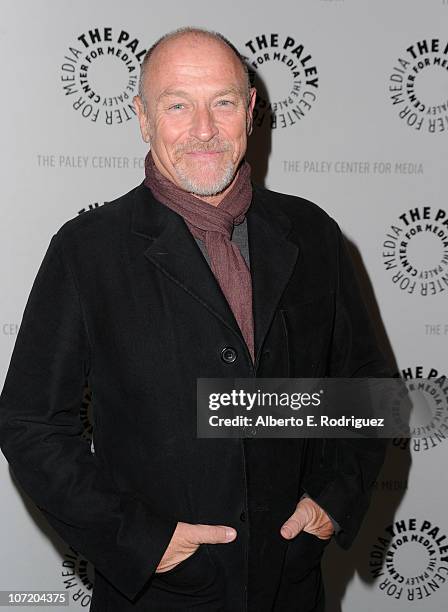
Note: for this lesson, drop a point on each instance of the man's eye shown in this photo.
(177, 106)
(225, 103)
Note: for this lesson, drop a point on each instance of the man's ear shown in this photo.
(142, 118)
(250, 109)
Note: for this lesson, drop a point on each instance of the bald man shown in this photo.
(195, 273)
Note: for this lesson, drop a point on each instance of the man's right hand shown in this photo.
(186, 540)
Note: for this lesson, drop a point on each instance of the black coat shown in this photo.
(125, 299)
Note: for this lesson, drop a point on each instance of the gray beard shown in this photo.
(207, 190)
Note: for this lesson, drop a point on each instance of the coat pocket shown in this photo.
(197, 573)
(303, 554)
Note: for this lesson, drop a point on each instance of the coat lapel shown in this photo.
(272, 259)
(173, 250)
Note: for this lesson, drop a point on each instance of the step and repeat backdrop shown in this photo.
(352, 113)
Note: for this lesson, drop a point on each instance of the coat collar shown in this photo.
(173, 250)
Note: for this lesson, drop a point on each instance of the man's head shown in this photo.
(195, 108)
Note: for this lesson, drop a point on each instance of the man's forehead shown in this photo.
(190, 54)
(192, 43)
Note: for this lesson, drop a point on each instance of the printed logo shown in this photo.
(430, 421)
(418, 86)
(289, 78)
(78, 578)
(415, 251)
(100, 75)
(409, 560)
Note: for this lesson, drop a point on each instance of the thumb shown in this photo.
(213, 534)
(294, 525)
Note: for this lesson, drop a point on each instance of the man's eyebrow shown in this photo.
(173, 92)
(184, 94)
(228, 90)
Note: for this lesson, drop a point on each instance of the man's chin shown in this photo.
(209, 186)
(206, 190)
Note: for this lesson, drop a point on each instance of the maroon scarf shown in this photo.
(214, 226)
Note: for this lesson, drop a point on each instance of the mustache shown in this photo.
(214, 146)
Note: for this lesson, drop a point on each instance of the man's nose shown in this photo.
(203, 126)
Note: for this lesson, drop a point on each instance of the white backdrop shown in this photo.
(358, 123)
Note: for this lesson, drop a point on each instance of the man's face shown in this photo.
(198, 113)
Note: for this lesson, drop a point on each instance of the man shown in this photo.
(194, 273)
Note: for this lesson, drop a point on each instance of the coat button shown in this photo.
(243, 517)
(228, 354)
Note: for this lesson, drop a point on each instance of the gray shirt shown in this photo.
(239, 237)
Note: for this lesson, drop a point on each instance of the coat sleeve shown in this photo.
(342, 471)
(40, 436)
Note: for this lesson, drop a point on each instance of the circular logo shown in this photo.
(409, 560)
(100, 73)
(415, 251)
(427, 398)
(418, 86)
(286, 78)
(78, 577)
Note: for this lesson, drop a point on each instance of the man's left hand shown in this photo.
(310, 517)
